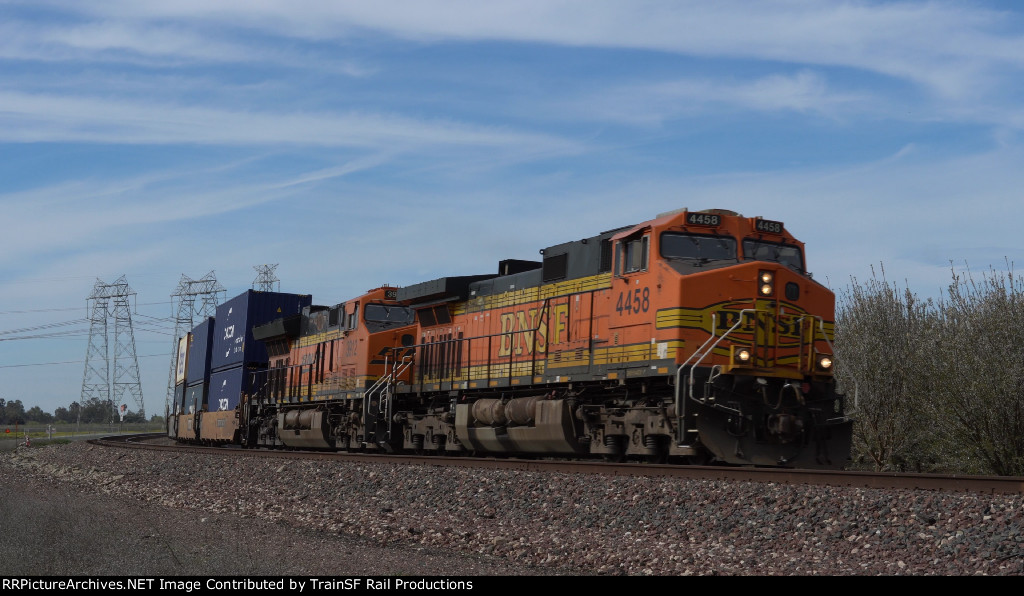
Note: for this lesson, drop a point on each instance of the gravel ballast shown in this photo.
(84, 509)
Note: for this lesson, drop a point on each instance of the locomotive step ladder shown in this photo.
(378, 400)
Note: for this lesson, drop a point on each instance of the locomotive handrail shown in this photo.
(447, 372)
(381, 386)
(262, 392)
(708, 340)
(378, 386)
(705, 349)
(680, 403)
(824, 336)
(704, 355)
(747, 311)
(821, 325)
(381, 380)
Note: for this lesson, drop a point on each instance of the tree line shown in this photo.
(92, 410)
(937, 384)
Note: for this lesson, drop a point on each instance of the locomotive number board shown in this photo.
(703, 219)
(767, 225)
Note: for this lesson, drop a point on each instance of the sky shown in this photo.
(357, 144)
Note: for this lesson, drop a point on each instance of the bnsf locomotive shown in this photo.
(696, 337)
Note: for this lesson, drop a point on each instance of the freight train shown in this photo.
(698, 337)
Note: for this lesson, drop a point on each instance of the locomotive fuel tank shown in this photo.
(550, 426)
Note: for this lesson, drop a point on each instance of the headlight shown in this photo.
(741, 356)
(766, 279)
(824, 363)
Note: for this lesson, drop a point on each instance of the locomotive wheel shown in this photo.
(417, 445)
(616, 445)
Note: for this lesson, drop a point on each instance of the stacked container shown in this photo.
(180, 363)
(184, 347)
(172, 418)
(226, 387)
(235, 353)
(197, 372)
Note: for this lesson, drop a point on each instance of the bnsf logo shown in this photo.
(785, 327)
(525, 331)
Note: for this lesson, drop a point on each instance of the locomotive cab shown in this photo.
(323, 388)
(753, 364)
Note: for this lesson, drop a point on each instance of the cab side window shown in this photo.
(632, 254)
(353, 317)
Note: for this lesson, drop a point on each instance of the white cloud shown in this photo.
(951, 47)
(654, 103)
(32, 118)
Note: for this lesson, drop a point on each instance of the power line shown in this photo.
(69, 362)
(44, 326)
(62, 335)
(150, 324)
(69, 308)
(25, 312)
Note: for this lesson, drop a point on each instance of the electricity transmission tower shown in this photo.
(266, 280)
(108, 379)
(192, 297)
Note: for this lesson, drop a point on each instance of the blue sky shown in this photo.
(355, 144)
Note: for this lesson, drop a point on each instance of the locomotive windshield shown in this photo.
(785, 254)
(380, 316)
(698, 247)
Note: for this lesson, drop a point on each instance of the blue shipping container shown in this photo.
(195, 397)
(227, 386)
(233, 344)
(179, 398)
(200, 352)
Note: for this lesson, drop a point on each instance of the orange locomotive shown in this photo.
(696, 337)
(325, 364)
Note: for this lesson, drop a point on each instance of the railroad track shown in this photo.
(880, 480)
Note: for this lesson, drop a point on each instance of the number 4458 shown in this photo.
(638, 300)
